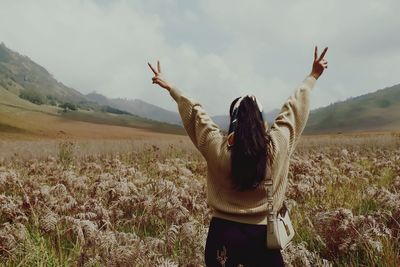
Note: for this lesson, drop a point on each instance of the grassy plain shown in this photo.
(109, 202)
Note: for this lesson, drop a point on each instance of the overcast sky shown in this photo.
(213, 50)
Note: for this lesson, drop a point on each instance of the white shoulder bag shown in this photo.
(280, 230)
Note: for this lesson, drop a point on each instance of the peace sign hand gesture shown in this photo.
(319, 64)
(158, 78)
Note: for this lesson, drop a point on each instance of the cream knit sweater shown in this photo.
(226, 202)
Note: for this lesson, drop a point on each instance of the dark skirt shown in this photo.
(236, 244)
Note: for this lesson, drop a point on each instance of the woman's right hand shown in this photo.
(319, 64)
(158, 78)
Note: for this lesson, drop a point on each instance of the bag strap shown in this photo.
(270, 200)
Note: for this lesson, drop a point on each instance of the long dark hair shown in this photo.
(249, 153)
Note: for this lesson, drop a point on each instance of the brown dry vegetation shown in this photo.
(143, 203)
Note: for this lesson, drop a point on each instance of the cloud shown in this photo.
(214, 51)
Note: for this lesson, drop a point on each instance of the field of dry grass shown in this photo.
(143, 203)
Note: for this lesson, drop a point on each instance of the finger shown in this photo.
(158, 66)
(151, 67)
(323, 53)
(315, 53)
(156, 81)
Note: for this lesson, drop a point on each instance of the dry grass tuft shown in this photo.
(145, 205)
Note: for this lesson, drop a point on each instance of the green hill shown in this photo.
(378, 111)
(22, 76)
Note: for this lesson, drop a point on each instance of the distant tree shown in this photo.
(67, 106)
(114, 110)
(32, 96)
(52, 100)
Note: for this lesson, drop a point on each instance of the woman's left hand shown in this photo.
(158, 78)
(319, 64)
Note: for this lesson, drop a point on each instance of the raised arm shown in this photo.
(203, 132)
(293, 116)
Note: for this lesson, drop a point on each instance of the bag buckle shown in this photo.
(282, 211)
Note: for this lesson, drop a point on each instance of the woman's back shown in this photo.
(226, 201)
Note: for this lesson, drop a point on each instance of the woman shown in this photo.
(237, 165)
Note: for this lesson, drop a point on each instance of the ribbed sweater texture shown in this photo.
(248, 206)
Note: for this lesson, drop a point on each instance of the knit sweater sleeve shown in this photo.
(203, 132)
(293, 116)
